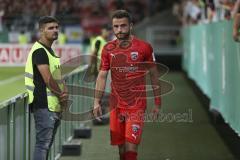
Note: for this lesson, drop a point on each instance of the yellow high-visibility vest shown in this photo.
(22, 39)
(62, 38)
(54, 66)
(102, 44)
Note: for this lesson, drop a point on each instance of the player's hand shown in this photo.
(155, 112)
(97, 112)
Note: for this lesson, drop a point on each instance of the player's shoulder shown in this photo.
(112, 41)
(142, 43)
(110, 45)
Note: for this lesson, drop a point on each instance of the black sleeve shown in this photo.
(40, 57)
(97, 45)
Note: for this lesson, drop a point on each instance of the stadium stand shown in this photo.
(19, 15)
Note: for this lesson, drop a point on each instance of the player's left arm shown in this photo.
(154, 77)
(156, 86)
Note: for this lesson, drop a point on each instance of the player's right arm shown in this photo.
(99, 90)
(101, 83)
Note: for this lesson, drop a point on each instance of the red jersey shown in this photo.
(128, 78)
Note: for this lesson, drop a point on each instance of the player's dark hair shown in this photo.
(46, 19)
(122, 14)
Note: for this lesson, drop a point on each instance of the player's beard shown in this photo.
(125, 36)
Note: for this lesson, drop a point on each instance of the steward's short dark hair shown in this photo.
(122, 14)
(46, 19)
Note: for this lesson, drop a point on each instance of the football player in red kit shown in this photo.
(128, 59)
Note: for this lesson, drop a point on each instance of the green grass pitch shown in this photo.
(11, 82)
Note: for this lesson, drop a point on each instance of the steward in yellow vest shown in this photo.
(22, 38)
(62, 38)
(97, 45)
(45, 89)
(40, 93)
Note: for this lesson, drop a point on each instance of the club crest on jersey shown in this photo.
(134, 56)
(135, 128)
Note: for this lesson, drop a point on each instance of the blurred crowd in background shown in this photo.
(190, 12)
(22, 15)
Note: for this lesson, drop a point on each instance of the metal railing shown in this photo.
(17, 131)
(166, 40)
(212, 59)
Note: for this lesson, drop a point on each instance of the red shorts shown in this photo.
(126, 125)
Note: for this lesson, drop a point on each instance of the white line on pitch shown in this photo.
(10, 80)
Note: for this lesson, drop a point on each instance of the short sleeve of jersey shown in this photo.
(149, 53)
(40, 57)
(105, 60)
